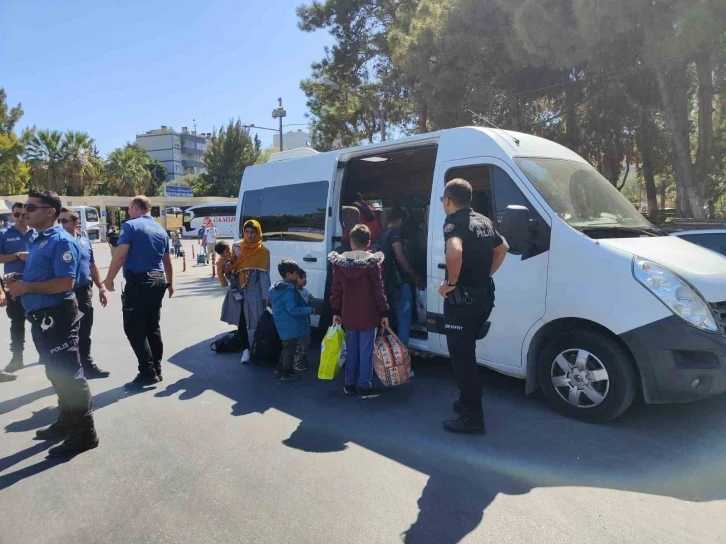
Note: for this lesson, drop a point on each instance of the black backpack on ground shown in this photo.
(267, 345)
(230, 342)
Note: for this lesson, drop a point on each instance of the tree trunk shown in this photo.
(673, 85)
(515, 113)
(571, 119)
(645, 143)
(705, 119)
(663, 189)
(423, 118)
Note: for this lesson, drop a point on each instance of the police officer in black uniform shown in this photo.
(143, 251)
(5, 376)
(474, 252)
(46, 291)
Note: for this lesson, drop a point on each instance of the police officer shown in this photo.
(14, 243)
(143, 251)
(474, 252)
(88, 274)
(5, 376)
(47, 295)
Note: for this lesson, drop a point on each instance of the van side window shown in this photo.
(288, 212)
(480, 178)
(506, 193)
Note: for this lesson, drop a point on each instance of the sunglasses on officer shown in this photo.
(65, 220)
(32, 207)
(18, 215)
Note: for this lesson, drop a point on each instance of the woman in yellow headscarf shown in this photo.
(253, 269)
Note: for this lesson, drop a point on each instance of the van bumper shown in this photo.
(678, 362)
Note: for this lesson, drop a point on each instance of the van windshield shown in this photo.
(582, 197)
(92, 215)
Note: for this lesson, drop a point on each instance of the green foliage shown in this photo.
(128, 172)
(14, 173)
(64, 162)
(229, 152)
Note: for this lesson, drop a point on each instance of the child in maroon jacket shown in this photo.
(358, 299)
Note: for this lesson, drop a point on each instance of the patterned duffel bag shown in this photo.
(391, 359)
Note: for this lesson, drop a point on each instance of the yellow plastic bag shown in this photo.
(332, 353)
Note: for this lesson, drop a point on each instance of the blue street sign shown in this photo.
(178, 190)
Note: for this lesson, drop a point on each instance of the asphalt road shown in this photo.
(219, 452)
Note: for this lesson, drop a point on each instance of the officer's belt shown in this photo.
(138, 277)
(38, 316)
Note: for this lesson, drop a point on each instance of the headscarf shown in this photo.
(254, 256)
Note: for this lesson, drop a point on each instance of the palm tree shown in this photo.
(82, 166)
(44, 155)
(126, 168)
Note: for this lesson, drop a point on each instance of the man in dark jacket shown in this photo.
(359, 303)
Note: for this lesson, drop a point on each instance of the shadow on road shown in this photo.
(653, 449)
(9, 405)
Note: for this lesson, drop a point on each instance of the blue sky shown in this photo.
(114, 69)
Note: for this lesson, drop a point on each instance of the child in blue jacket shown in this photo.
(291, 317)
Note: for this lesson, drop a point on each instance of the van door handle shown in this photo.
(442, 266)
(310, 259)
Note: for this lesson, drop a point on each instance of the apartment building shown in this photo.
(181, 152)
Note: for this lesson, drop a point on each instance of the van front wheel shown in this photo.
(587, 376)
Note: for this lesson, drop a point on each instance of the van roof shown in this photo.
(512, 143)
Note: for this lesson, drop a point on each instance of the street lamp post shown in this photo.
(376, 110)
(278, 113)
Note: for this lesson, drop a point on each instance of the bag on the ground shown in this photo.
(391, 359)
(421, 306)
(230, 342)
(267, 346)
(201, 258)
(332, 353)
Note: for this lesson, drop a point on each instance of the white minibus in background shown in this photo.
(594, 305)
(222, 214)
(90, 222)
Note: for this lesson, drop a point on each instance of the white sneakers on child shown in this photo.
(246, 358)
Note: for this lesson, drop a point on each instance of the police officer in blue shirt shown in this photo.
(88, 274)
(14, 243)
(50, 305)
(143, 252)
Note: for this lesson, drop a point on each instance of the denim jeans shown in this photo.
(402, 307)
(359, 358)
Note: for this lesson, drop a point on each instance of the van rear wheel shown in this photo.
(588, 376)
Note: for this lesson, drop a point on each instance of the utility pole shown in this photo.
(279, 113)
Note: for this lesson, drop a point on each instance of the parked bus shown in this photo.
(222, 214)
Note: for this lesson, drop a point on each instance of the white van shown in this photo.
(593, 304)
(90, 222)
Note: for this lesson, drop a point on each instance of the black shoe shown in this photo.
(300, 367)
(59, 429)
(77, 442)
(91, 371)
(5, 377)
(459, 408)
(157, 370)
(370, 393)
(143, 380)
(16, 363)
(465, 424)
(159, 376)
(289, 377)
(349, 389)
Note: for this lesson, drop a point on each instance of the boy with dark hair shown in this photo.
(301, 354)
(291, 317)
(359, 303)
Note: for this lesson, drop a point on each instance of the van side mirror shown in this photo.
(516, 227)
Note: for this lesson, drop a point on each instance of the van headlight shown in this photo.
(675, 293)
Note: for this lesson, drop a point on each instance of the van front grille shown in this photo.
(719, 308)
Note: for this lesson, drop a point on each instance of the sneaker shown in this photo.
(16, 363)
(300, 367)
(143, 380)
(246, 357)
(349, 389)
(465, 424)
(77, 442)
(92, 371)
(289, 377)
(6, 377)
(59, 429)
(370, 393)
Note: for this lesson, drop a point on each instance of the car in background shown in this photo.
(713, 239)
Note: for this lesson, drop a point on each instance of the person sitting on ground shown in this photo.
(301, 355)
(291, 317)
(359, 303)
